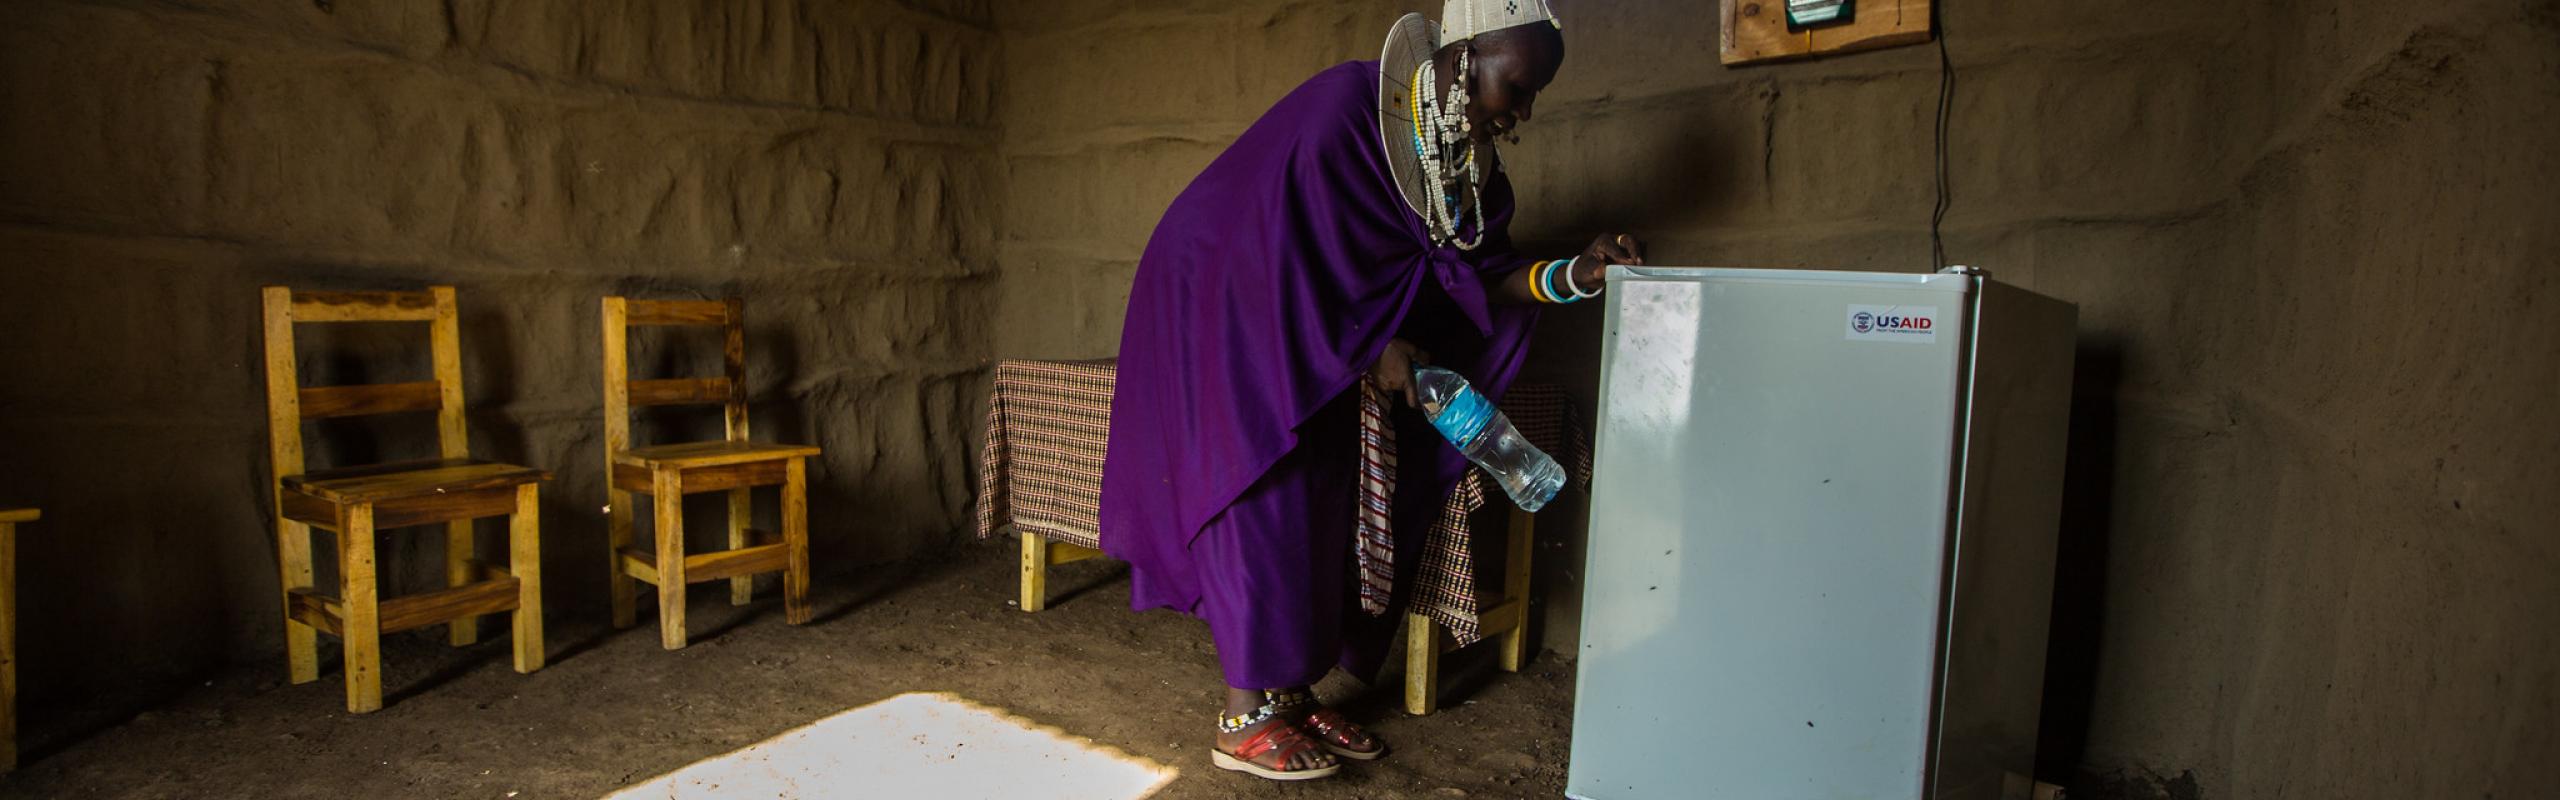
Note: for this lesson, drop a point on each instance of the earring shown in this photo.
(1458, 94)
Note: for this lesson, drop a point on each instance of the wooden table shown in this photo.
(1049, 423)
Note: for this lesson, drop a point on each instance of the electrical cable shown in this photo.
(1946, 107)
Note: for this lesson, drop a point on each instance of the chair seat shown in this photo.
(692, 455)
(402, 479)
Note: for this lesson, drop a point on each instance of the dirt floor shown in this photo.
(613, 709)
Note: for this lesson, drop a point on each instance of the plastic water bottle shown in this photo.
(1479, 430)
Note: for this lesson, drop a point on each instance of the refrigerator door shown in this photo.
(1762, 597)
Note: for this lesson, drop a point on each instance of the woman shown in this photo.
(1360, 224)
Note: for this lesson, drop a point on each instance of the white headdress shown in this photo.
(1461, 20)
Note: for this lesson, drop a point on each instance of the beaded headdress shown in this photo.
(1461, 20)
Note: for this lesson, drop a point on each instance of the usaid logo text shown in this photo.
(1893, 323)
(1869, 322)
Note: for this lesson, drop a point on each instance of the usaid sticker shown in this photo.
(1893, 324)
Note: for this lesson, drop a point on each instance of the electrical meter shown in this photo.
(1809, 13)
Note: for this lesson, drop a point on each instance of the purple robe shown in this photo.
(1272, 283)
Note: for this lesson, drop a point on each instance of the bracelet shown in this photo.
(1570, 285)
(1547, 281)
(1543, 285)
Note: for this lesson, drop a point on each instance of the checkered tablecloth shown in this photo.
(1049, 424)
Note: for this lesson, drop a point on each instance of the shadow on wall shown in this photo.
(486, 331)
(1679, 184)
(2080, 565)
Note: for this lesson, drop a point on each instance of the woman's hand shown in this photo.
(1393, 374)
(1610, 248)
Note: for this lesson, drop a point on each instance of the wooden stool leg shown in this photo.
(293, 559)
(795, 543)
(625, 590)
(667, 498)
(524, 558)
(741, 505)
(361, 627)
(1035, 572)
(1421, 665)
(1515, 588)
(8, 646)
(458, 551)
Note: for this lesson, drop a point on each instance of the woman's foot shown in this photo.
(1327, 725)
(1260, 742)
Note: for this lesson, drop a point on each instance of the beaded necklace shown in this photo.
(1431, 121)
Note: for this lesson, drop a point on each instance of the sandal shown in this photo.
(1267, 752)
(1336, 732)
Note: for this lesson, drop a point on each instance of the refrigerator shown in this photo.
(1823, 521)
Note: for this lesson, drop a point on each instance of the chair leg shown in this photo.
(741, 506)
(1035, 572)
(293, 559)
(795, 543)
(624, 588)
(361, 626)
(1515, 587)
(667, 499)
(8, 646)
(524, 558)
(458, 550)
(1421, 665)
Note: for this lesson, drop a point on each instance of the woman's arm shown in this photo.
(1589, 269)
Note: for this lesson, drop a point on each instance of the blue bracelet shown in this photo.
(1570, 285)
(1548, 280)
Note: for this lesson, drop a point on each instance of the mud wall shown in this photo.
(831, 162)
(2308, 550)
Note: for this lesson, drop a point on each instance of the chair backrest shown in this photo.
(289, 403)
(621, 393)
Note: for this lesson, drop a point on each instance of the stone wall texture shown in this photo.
(2309, 549)
(831, 162)
(2308, 546)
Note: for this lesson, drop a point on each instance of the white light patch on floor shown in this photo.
(916, 745)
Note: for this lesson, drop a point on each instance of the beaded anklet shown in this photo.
(1287, 700)
(1239, 722)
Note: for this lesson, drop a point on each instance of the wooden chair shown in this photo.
(1503, 617)
(667, 472)
(355, 502)
(9, 519)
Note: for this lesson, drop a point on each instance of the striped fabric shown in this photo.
(1049, 424)
(1377, 548)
